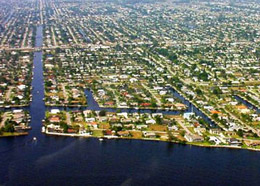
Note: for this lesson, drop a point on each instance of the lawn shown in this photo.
(104, 126)
(9, 134)
(98, 133)
(136, 134)
(158, 128)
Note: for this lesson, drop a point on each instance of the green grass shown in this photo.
(9, 134)
(97, 133)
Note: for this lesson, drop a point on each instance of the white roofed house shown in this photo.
(21, 87)
(150, 121)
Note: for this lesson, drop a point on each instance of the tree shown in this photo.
(215, 116)
(102, 113)
(9, 127)
(203, 76)
(217, 91)
(171, 137)
(154, 104)
(65, 127)
(158, 120)
(240, 133)
(199, 92)
(182, 133)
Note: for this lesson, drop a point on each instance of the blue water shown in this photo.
(79, 161)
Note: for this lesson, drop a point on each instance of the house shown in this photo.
(141, 126)
(200, 130)
(150, 121)
(55, 119)
(93, 124)
(170, 100)
(103, 119)
(215, 131)
(157, 114)
(180, 106)
(174, 127)
(90, 119)
(108, 132)
(72, 131)
(21, 87)
(215, 112)
(123, 133)
(215, 140)
(149, 134)
(129, 126)
(123, 114)
(54, 128)
(193, 138)
(230, 133)
(55, 111)
(188, 115)
(123, 120)
(234, 142)
(87, 112)
(243, 109)
(145, 104)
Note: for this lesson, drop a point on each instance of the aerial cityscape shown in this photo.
(178, 71)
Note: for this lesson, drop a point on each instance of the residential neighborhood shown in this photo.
(14, 123)
(196, 65)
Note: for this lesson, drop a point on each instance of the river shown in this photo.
(55, 160)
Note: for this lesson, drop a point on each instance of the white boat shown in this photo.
(34, 138)
(100, 139)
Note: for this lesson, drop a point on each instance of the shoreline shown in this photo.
(107, 107)
(147, 139)
(14, 134)
(14, 106)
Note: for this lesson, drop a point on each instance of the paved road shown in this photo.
(8, 94)
(68, 118)
(64, 92)
(153, 95)
(4, 117)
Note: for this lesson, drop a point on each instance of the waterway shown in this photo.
(55, 160)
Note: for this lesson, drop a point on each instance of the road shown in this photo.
(4, 117)
(64, 92)
(53, 37)
(180, 122)
(72, 35)
(153, 95)
(68, 118)
(8, 94)
(25, 36)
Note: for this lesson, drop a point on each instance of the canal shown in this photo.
(86, 161)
